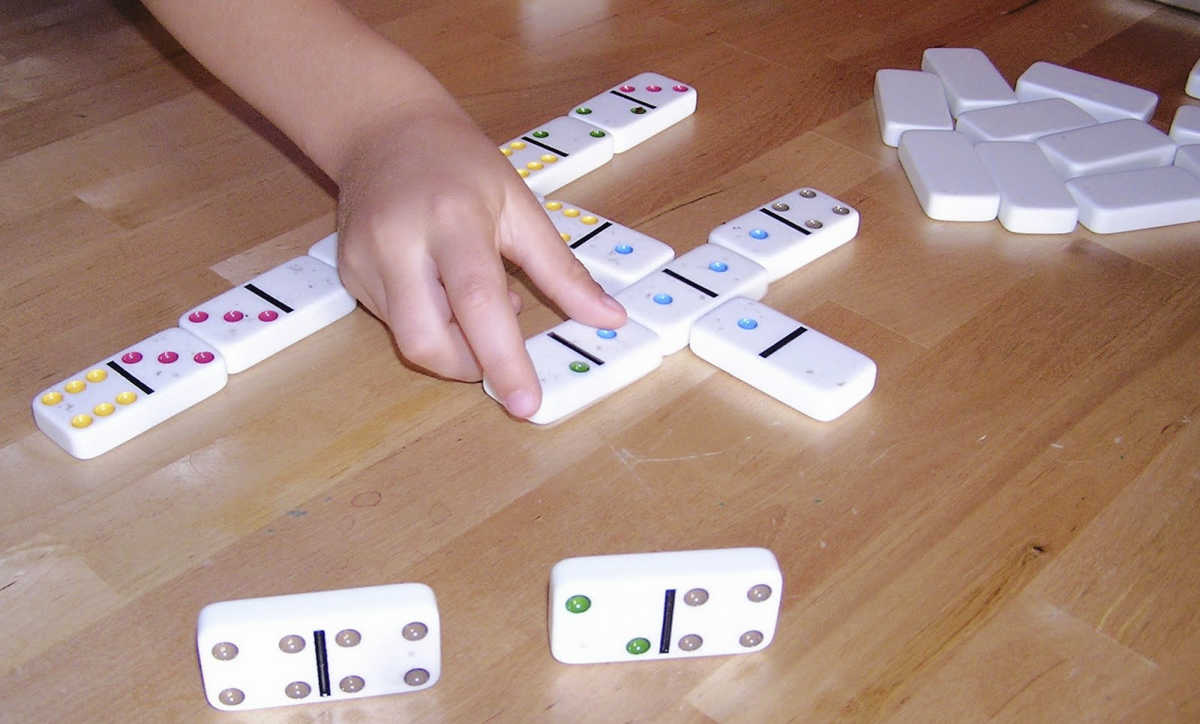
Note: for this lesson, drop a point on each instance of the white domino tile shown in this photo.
(788, 232)
(1188, 159)
(557, 152)
(1193, 81)
(790, 361)
(615, 255)
(1102, 98)
(907, 100)
(120, 397)
(668, 605)
(635, 110)
(670, 300)
(1033, 197)
(1106, 148)
(1185, 127)
(578, 365)
(319, 647)
(270, 312)
(325, 250)
(1133, 200)
(947, 176)
(1022, 121)
(969, 77)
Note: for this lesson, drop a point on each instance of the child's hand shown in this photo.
(428, 207)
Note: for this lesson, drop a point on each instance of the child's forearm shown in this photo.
(320, 74)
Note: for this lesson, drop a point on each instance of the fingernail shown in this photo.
(612, 304)
(521, 403)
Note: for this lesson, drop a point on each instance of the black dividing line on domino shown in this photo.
(129, 376)
(576, 349)
(664, 640)
(782, 343)
(322, 663)
(784, 221)
(689, 282)
(631, 98)
(269, 299)
(583, 239)
(545, 146)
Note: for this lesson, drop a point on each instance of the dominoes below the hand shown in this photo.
(790, 231)
(325, 250)
(633, 111)
(321, 646)
(119, 398)
(615, 255)
(668, 301)
(789, 361)
(557, 152)
(272, 311)
(578, 365)
(673, 605)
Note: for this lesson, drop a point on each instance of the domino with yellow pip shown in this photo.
(557, 152)
(118, 398)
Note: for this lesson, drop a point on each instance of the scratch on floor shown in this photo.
(881, 455)
(1104, 618)
(629, 457)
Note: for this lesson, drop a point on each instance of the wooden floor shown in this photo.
(1007, 529)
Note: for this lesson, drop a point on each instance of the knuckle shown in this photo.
(422, 350)
(472, 294)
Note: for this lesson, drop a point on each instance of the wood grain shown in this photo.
(1005, 530)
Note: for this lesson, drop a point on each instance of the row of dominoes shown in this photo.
(570, 146)
(1064, 147)
(141, 386)
(352, 643)
(144, 384)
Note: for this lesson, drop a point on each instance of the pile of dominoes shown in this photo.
(1064, 147)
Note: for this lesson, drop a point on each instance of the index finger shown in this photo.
(530, 240)
(476, 287)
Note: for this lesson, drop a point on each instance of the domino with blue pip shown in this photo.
(795, 364)
(578, 365)
(788, 232)
(615, 255)
(669, 300)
